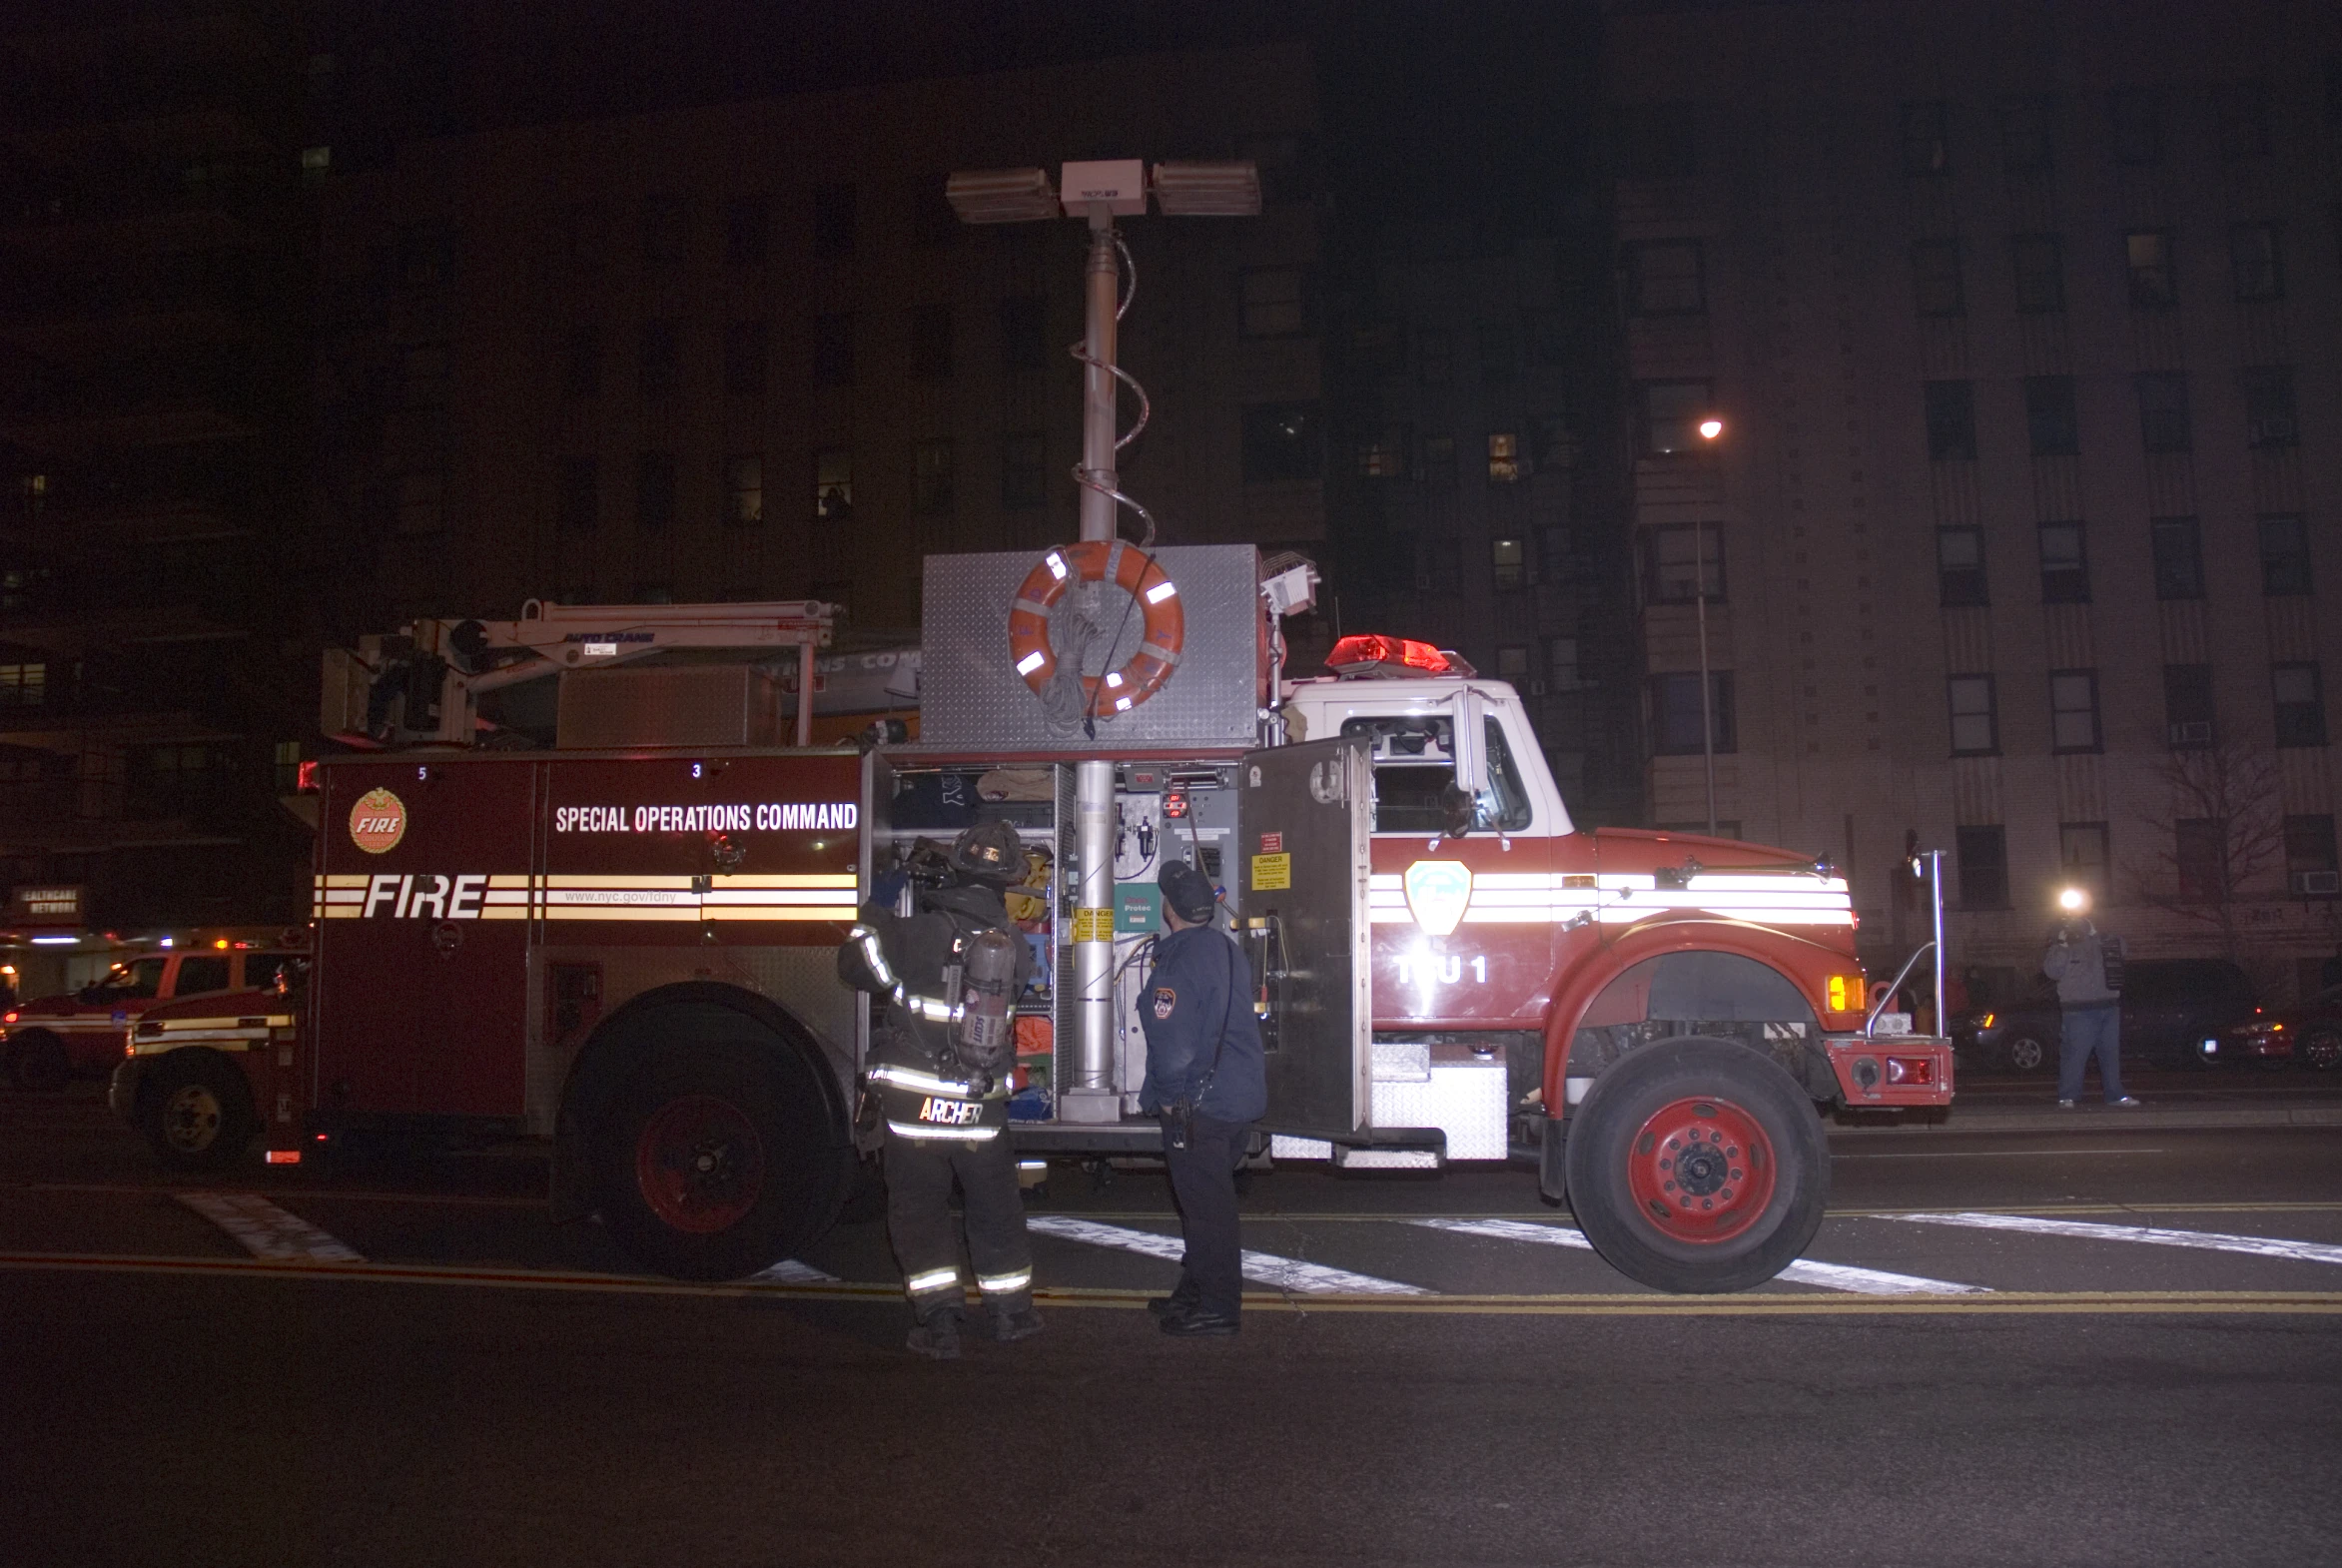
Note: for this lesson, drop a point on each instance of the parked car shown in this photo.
(204, 1075)
(52, 1039)
(2170, 1008)
(2308, 1032)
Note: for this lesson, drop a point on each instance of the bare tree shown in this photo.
(2222, 827)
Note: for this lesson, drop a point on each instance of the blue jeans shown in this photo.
(2088, 1032)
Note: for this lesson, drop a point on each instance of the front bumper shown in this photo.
(1905, 1069)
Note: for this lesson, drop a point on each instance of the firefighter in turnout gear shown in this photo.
(937, 1084)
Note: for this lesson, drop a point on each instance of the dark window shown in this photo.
(1512, 663)
(1022, 483)
(2162, 410)
(663, 231)
(654, 491)
(579, 502)
(1272, 302)
(744, 490)
(2081, 855)
(1439, 469)
(197, 974)
(1435, 356)
(581, 362)
(2200, 846)
(2268, 407)
(748, 231)
(2284, 555)
(833, 221)
(2253, 262)
(2136, 114)
(425, 256)
(1664, 277)
(1926, 138)
(2179, 557)
(1561, 664)
(833, 351)
(1680, 561)
(833, 486)
(931, 478)
(1675, 714)
(2074, 710)
(1500, 353)
(1024, 332)
(1960, 567)
(2188, 705)
(2310, 859)
(658, 358)
(653, 592)
(1671, 416)
(1508, 568)
(1952, 419)
(2154, 284)
(2025, 133)
(2041, 272)
(2049, 415)
(746, 351)
(1983, 853)
(931, 342)
(1935, 272)
(1975, 716)
(2301, 704)
(1440, 564)
(2241, 115)
(1656, 142)
(1375, 350)
(1280, 442)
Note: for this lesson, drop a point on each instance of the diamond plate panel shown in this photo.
(972, 697)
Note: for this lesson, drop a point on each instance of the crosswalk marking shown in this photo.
(1283, 1273)
(267, 1230)
(2084, 1230)
(789, 1271)
(1830, 1276)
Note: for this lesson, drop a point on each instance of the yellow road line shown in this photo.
(2008, 1303)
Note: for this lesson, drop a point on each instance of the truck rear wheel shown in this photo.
(1698, 1166)
(714, 1163)
(195, 1111)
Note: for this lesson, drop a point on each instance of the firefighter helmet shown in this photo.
(988, 852)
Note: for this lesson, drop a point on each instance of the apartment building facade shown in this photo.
(2019, 540)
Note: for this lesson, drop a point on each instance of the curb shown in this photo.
(2101, 1119)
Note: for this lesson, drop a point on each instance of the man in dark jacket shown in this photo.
(1208, 1082)
(2087, 967)
(939, 1078)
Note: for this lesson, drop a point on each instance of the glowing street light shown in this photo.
(2074, 901)
(1711, 427)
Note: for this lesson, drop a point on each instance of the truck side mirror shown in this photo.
(1459, 806)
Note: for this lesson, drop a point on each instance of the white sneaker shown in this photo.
(2065, 1105)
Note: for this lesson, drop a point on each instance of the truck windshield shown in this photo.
(1414, 762)
(143, 977)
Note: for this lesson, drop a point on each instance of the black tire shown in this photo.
(37, 1060)
(1670, 1095)
(2027, 1054)
(195, 1111)
(719, 1155)
(2322, 1049)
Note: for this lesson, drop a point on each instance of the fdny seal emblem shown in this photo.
(377, 821)
(1438, 893)
(1165, 1000)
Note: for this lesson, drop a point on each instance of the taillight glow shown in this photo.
(1911, 1069)
(305, 780)
(284, 1157)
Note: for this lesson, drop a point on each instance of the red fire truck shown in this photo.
(627, 947)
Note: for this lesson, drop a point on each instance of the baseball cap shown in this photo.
(1187, 890)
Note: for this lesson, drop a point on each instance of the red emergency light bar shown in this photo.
(1379, 655)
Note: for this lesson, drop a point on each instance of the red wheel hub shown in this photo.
(699, 1164)
(1701, 1169)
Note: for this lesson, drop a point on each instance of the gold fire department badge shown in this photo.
(377, 821)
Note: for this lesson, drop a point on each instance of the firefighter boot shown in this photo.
(937, 1336)
(1016, 1320)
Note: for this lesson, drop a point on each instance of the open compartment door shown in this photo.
(1302, 818)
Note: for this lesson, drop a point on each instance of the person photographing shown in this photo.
(2087, 967)
(1207, 1082)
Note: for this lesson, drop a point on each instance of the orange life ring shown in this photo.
(1136, 573)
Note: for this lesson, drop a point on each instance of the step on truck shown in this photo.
(619, 937)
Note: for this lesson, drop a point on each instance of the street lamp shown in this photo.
(1711, 430)
(1099, 193)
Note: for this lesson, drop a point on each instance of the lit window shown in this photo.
(1504, 458)
(1510, 566)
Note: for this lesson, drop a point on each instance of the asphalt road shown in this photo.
(2112, 1345)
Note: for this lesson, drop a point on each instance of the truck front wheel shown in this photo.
(195, 1111)
(712, 1164)
(1698, 1166)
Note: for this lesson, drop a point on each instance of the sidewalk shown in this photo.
(2169, 1099)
